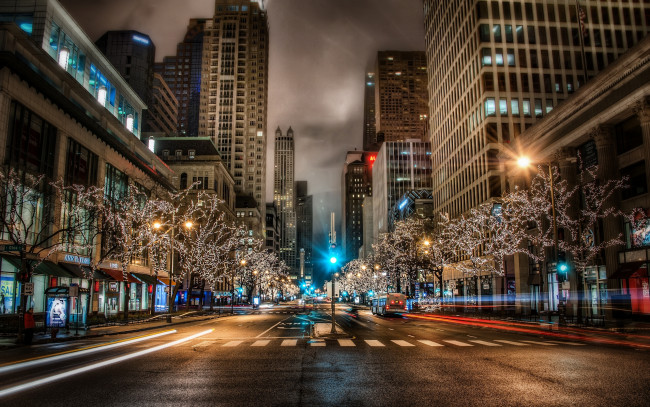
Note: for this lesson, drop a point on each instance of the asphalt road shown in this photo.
(267, 358)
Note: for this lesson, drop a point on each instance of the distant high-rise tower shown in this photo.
(234, 91)
(500, 67)
(401, 95)
(182, 73)
(284, 195)
(356, 186)
(369, 129)
(401, 166)
(304, 227)
(132, 54)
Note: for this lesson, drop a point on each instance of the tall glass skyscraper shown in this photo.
(497, 67)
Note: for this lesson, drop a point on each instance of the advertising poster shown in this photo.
(56, 312)
(7, 294)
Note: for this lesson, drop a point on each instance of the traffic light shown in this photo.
(333, 259)
(562, 265)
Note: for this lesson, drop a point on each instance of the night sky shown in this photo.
(319, 53)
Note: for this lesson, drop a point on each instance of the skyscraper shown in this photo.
(304, 228)
(401, 166)
(132, 53)
(284, 195)
(356, 185)
(369, 128)
(182, 73)
(234, 91)
(400, 96)
(501, 66)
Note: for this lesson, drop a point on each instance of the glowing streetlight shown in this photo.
(523, 162)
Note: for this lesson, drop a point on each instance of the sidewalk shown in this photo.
(64, 335)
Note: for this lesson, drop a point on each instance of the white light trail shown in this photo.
(40, 382)
(75, 353)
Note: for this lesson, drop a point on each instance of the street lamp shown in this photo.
(157, 225)
(524, 162)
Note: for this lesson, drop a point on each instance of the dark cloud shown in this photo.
(319, 53)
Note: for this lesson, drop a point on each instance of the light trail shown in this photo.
(491, 324)
(20, 364)
(50, 379)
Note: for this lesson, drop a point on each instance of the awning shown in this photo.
(535, 279)
(52, 269)
(117, 275)
(83, 272)
(146, 278)
(626, 270)
(14, 261)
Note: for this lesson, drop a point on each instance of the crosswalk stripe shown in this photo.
(346, 342)
(569, 343)
(401, 342)
(511, 342)
(541, 343)
(458, 343)
(262, 342)
(373, 342)
(317, 343)
(232, 343)
(485, 343)
(289, 342)
(429, 343)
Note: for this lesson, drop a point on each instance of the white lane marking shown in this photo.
(289, 342)
(232, 343)
(36, 383)
(484, 342)
(391, 329)
(511, 342)
(272, 327)
(569, 343)
(411, 336)
(317, 343)
(346, 342)
(401, 342)
(458, 343)
(261, 342)
(429, 343)
(373, 342)
(541, 343)
(71, 354)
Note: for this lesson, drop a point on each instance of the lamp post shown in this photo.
(333, 260)
(158, 225)
(524, 162)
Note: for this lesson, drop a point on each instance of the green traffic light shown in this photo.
(563, 267)
(332, 259)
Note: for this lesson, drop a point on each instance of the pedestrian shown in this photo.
(29, 326)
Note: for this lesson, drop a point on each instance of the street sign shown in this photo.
(28, 288)
(12, 247)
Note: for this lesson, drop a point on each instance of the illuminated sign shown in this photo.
(71, 258)
(140, 39)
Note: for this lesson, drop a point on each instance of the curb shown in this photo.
(97, 335)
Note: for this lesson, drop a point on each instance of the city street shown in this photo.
(267, 357)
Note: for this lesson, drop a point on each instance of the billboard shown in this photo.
(57, 309)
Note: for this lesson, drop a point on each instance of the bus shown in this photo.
(391, 303)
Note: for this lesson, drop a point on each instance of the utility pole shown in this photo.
(333, 261)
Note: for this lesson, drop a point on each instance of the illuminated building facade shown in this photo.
(234, 91)
(401, 166)
(356, 186)
(284, 195)
(400, 97)
(497, 67)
